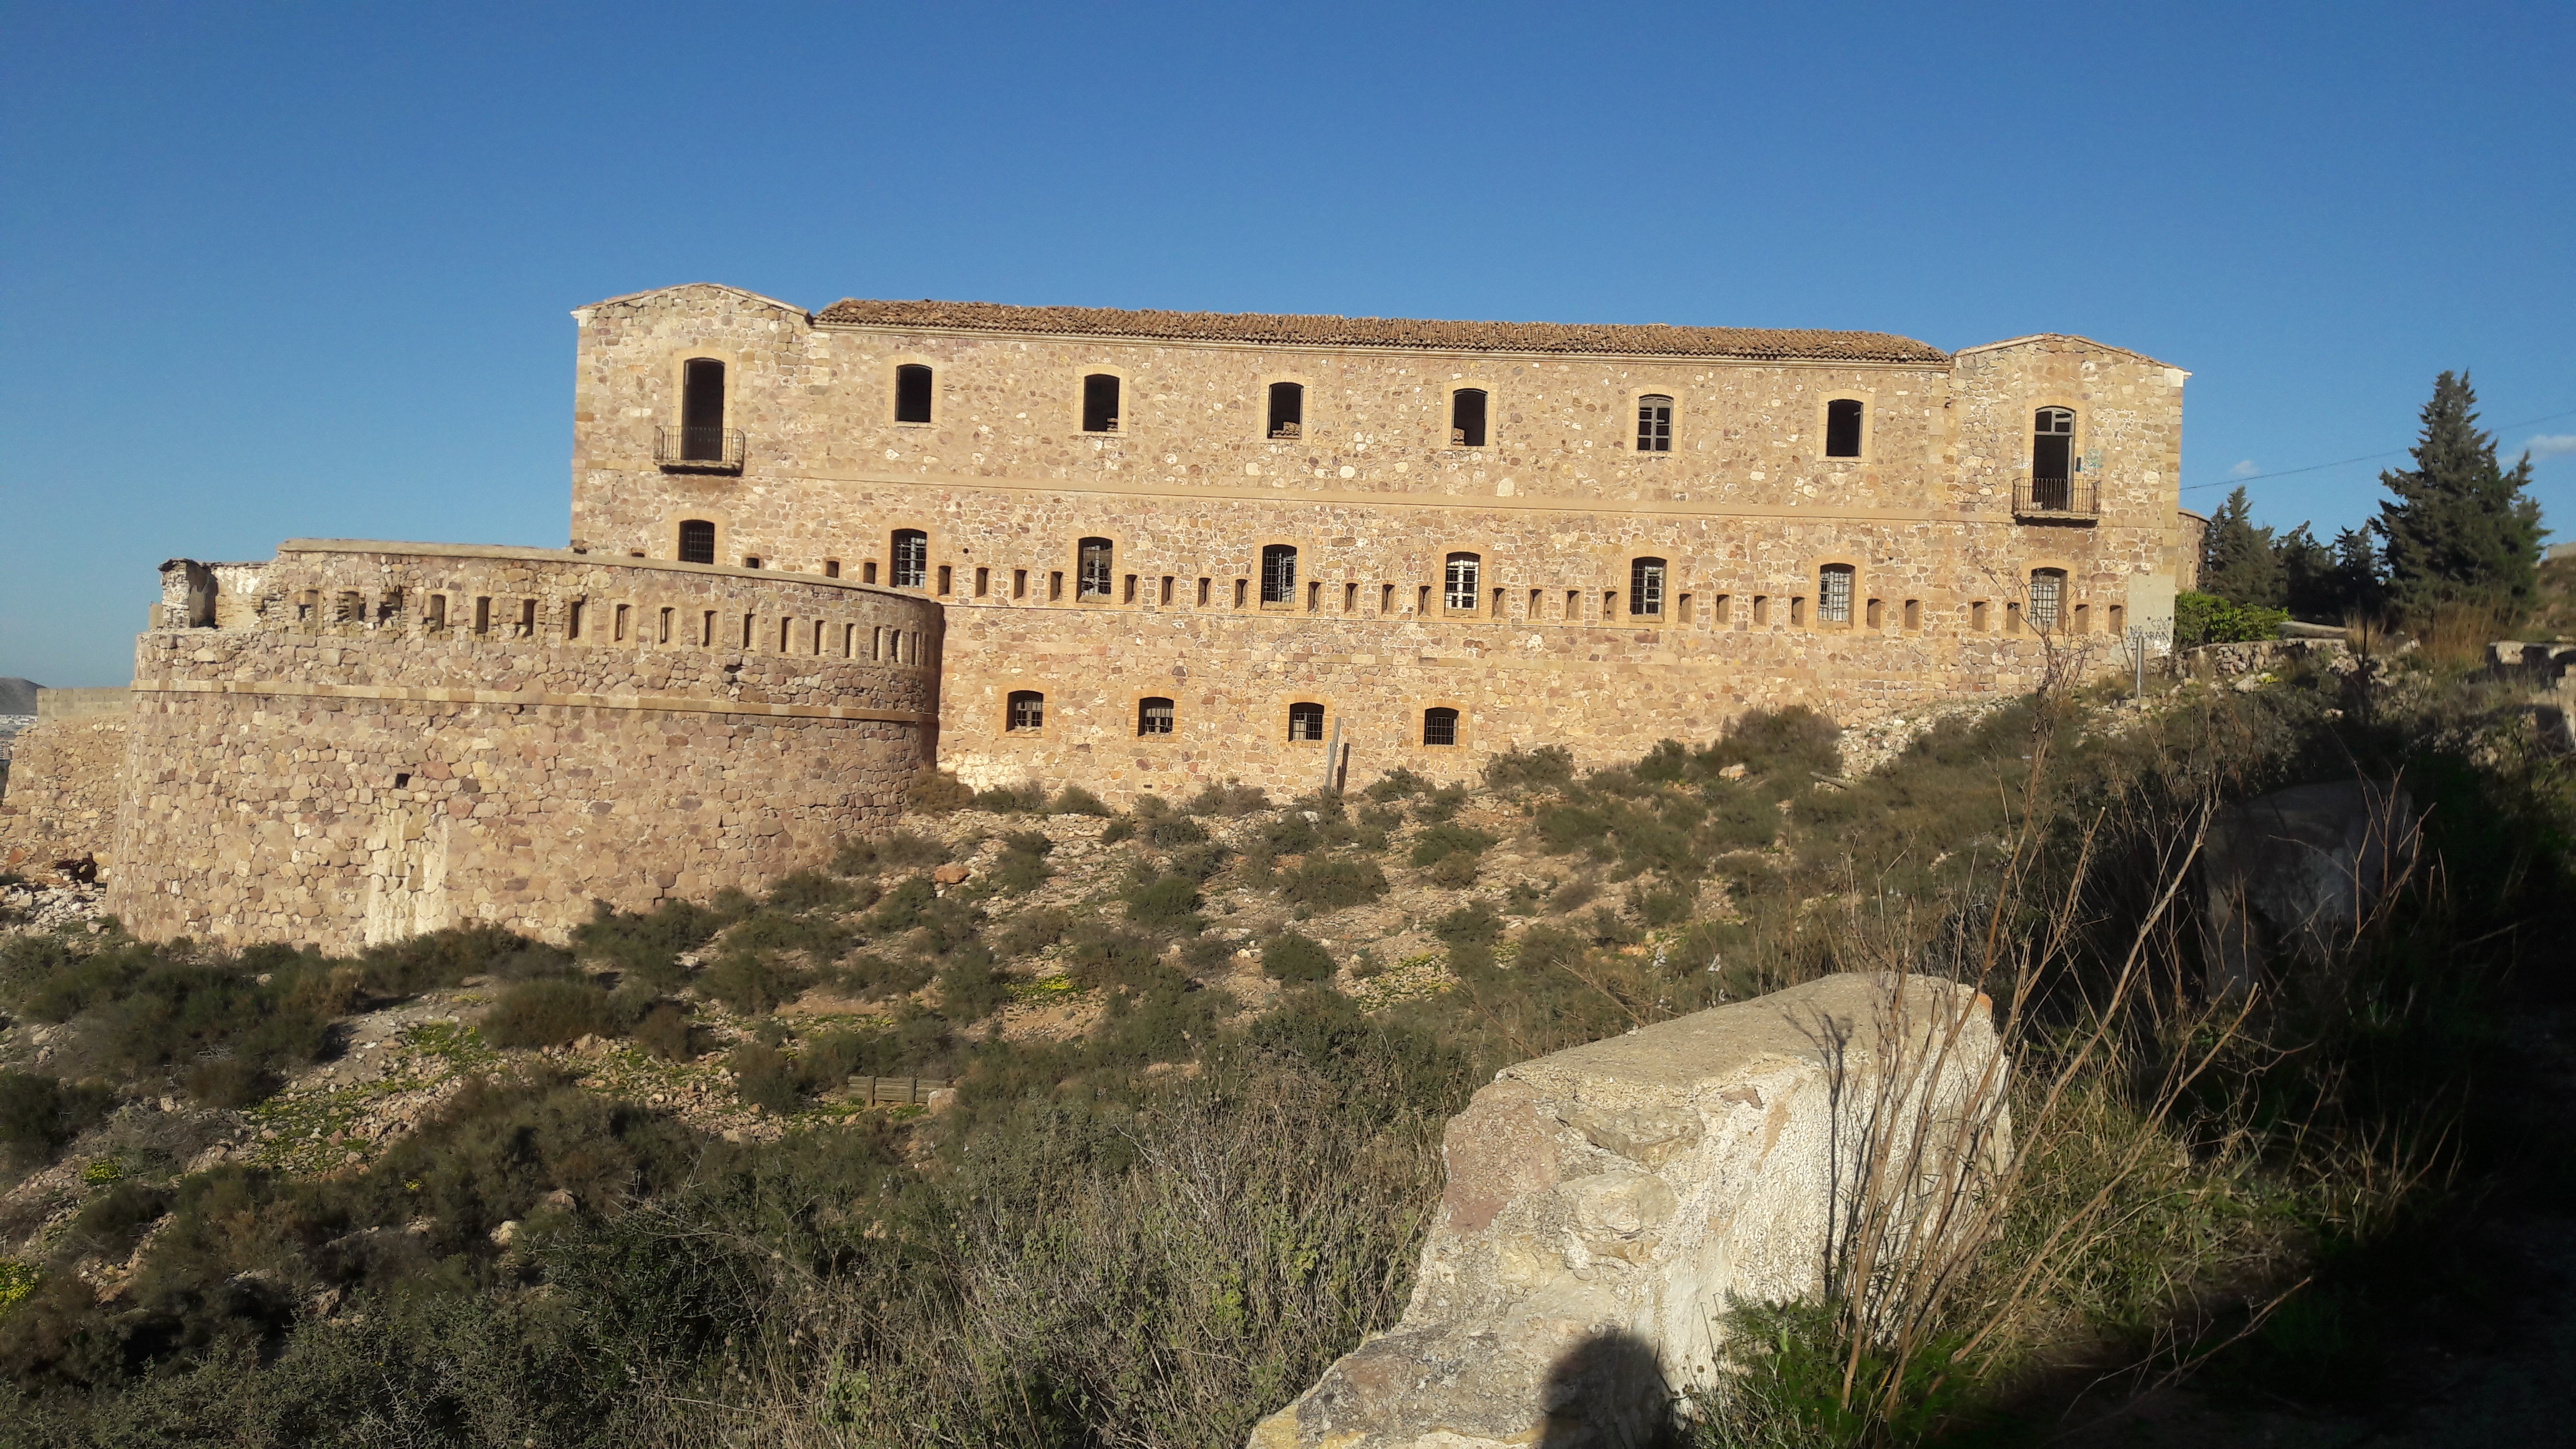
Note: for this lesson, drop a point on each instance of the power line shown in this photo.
(2364, 458)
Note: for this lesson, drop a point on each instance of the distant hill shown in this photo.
(18, 696)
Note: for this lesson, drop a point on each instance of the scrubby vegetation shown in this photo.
(1201, 1056)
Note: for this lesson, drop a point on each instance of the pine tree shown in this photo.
(2236, 560)
(2460, 529)
(2358, 585)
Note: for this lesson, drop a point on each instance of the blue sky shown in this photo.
(285, 270)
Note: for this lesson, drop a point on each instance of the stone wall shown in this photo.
(405, 736)
(1557, 508)
(64, 774)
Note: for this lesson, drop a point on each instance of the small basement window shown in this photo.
(1842, 428)
(1654, 424)
(1100, 403)
(912, 393)
(1467, 418)
(1027, 710)
(1305, 721)
(1153, 716)
(1287, 410)
(1440, 726)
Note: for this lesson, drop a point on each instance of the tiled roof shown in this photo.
(1623, 339)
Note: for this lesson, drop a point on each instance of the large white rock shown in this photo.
(1606, 1204)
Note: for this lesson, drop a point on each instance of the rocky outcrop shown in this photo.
(1606, 1205)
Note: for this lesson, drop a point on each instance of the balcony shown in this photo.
(698, 450)
(2055, 500)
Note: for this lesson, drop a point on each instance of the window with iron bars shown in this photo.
(1153, 716)
(1461, 592)
(911, 558)
(1278, 573)
(1834, 594)
(1646, 588)
(2047, 595)
(1092, 578)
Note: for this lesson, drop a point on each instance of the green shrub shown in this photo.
(1330, 884)
(970, 987)
(1165, 832)
(1117, 830)
(1546, 767)
(109, 1223)
(1456, 872)
(902, 850)
(1107, 957)
(763, 1076)
(1543, 947)
(1566, 828)
(1441, 804)
(1166, 903)
(1075, 800)
(945, 922)
(1023, 866)
(1605, 927)
(1473, 924)
(868, 974)
(551, 1012)
(1032, 931)
(1523, 899)
(650, 945)
(1795, 743)
(808, 890)
(937, 792)
(2208, 619)
(667, 1032)
(1660, 907)
(1396, 784)
(1029, 798)
(1442, 841)
(446, 957)
(1229, 799)
(1292, 958)
(1204, 954)
(751, 982)
(40, 1114)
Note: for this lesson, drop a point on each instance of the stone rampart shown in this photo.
(382, 739)
(64, 774)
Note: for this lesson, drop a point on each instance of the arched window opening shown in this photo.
(2052, 458)
(1654, 424)
(1091, 578)
(1278, 573)
(1467, 418)
(1100, 403)
(1646, 588)
(702, 411)
(1305, 721)
(912, 393)
(911, 558)
(697, 541)
(2047, 598)
(1153, 717)
(1440, 726)
(1833, 594)
(1842, 428)
(1287, 410)
(1461, 590)
(1027, 710)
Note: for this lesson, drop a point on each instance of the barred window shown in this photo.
(1028, 710)
(1278, 573)
(911, 558)
(1654, 424)
(1440, 726)
(1305, 721)
(1646, 588)
(1834, 594)
(1461, 592)
(697, 541)
(1153, 716)
(2047, 595)
(1092, 579)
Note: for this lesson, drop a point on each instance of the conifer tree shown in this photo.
(2237, 562)
(2460, 529)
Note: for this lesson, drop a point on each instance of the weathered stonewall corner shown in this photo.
(1606, 1204)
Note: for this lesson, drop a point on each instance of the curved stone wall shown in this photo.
(382, 739)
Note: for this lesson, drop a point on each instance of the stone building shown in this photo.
(1180, 547)
(815, 554)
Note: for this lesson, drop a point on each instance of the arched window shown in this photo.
(1461, 590)
(1287, 410)
(1027, 710)
(1305, 721)
(911, 558)
(1153, 717)
(912, 393)
(1654, 424)
(1100, 403)
(2052, 457)
(702, 411)
(2047, 598)
(1842, 428)
(1440, 725)
(1834, 594)
(1091, 579)
(1278, 573)
(697, 541)
(1646, 588)
(1467, 418)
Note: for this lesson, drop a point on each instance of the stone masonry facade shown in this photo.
(1192, 489)
(361, 741)
(65, 773)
